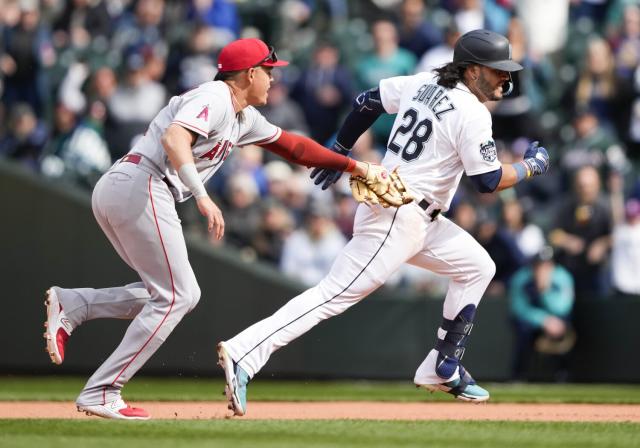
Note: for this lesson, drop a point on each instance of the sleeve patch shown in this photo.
(204, 113)
(488, 151)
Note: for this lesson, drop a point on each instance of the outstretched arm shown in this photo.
(367, 107)
(304, 151)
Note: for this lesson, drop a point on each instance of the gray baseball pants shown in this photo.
(136, 211)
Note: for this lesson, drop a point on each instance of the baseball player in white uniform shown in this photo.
(134, 204)
(442, 130)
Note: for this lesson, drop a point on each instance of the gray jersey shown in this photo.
(208, 111)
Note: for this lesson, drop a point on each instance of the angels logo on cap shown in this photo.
(242, 54)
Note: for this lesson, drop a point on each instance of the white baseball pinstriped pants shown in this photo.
(383, 240)
(137, 213)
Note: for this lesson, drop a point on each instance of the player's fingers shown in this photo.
(219, 226)
(315, 172)
(323, 175)
(331, 179)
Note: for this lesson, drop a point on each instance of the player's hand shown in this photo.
(326, 176)
(554, 326)
(536, 158)
(215, 221)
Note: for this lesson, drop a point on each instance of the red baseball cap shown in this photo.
(246, 53)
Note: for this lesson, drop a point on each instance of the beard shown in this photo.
(488, 90)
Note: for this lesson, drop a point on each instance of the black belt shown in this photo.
(424, 205)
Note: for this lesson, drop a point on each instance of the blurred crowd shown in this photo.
(81, 79)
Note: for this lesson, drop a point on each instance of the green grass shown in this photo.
(284, 434)
(198, 389)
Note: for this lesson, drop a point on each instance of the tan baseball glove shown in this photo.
(380, 187)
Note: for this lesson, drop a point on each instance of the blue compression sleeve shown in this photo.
(367, 107)
(487, 182)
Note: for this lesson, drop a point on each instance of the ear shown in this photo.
(251, 74)
(474, 71)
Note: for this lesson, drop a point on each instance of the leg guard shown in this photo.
(451, 348)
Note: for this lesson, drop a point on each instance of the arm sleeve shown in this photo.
(367, 107)
(475, 144)
(199, 112)
(304, 151)
(487, 182)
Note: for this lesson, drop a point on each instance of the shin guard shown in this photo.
(451, 348)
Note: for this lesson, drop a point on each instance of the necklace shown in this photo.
(234, 100)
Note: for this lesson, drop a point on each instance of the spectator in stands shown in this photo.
(504, 251)
(386, 61)
(220, 17)
(600, 89)
(275, 226)
(26, 136)
(76, 150)
(440, 54)
(541, 298)
(197, 61)
(518, 113)
(592, 145)
(625, 250)
(278, 174)
(132, 105)
(323, 91)
(528, 236)
(582, 233)
(416, 33)
(146, 31)
(282, 111)
(241, 210)
(308, 253)
(627, 44)
(26, 52)
(82, 21)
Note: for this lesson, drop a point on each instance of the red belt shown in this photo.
(132, 158)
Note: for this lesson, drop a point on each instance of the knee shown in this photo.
(488, 269)
(187, 299)
(195, 297)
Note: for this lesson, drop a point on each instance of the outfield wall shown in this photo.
(48, 236)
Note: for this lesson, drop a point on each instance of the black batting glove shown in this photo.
(327, 176)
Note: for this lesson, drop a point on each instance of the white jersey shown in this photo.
(208, 111)
(438, 135)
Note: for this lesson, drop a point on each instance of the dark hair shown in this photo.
(224, 76)
(451, 74)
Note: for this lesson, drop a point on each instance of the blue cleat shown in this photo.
(237, 380)
(463, 388)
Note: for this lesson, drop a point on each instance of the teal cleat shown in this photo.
(463, 388)
(237, 380)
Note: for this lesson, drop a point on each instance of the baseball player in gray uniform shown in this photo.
(134, 204)
(442, 130)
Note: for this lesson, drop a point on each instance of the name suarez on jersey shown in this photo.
(434, 97)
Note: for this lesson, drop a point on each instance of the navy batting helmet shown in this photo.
(485, 47)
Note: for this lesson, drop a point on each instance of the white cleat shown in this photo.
(116, 409)
(57, 327)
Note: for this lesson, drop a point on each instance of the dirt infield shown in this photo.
(349, 410)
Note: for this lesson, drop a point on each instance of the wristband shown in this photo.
(522, 171)
(189, 176)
